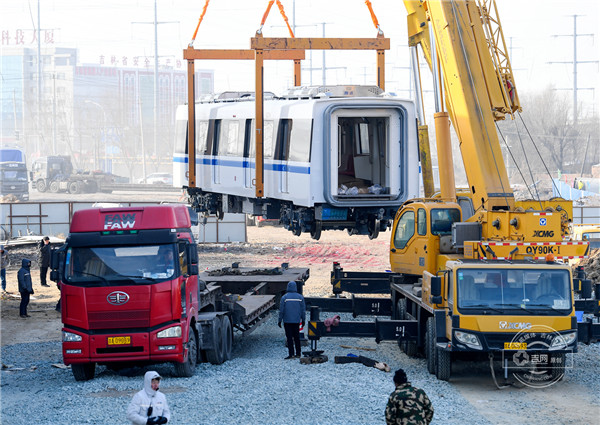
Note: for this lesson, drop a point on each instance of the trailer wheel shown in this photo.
(54, 187)
(41, 185)
(215, 354)
(227, 335)
(430, 348)
(83, 372)
(188, 367)
(444, 364)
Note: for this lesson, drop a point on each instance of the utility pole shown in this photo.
(575, 62)
(156, 94)
(39, 80)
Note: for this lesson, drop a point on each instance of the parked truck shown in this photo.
(130, 293)
(56, 174)
(13, 173)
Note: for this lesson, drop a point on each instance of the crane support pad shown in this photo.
(588, 331)
(380, 329)
(587, 306)
(355, 305)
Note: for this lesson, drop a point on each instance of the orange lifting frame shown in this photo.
(262, 49)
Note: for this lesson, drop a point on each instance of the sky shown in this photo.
(539, 31)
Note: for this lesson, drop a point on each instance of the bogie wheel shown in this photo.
(215, 354)
(444, 364)
(430, 347)
(54, 187)
(315, 231)
(188, 367)
(227, 334)
(373, 227)
(74, 187)
(84, 371)
(41, 186)
(296, 230)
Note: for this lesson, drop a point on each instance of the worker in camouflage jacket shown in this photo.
(407, 405)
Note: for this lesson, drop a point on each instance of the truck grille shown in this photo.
(119, 319)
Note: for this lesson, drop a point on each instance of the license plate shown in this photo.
(119, 340)
(515, 346)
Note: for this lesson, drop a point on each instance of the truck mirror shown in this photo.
(54, 259)
(436, 286)
(193, 269)
(192, 253)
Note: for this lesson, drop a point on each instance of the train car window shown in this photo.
(212, 139)
(282, 146)
(248, 137)
(267, 140)
(181, 129)
(229, 139)
(361, 139)
(201, 135)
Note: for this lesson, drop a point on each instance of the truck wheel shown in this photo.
(430, 348)
(215, 354)
(41, 186)
(188, 367)
(227, 335)
(74, 188)
(444, 365)
(83, 372)
(54, 187)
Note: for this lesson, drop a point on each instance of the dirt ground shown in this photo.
(267, 246)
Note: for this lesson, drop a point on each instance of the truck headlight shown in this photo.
(172, 332)
(70, 337)
(563, 340)
(468, 339)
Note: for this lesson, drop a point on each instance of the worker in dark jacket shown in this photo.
(292, 312)
(44, 260)
(25, 286)
(407, 404)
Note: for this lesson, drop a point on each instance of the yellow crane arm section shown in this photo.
(478, 86)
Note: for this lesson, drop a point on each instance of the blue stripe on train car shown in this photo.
(297, 169)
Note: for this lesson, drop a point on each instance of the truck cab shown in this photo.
(129, 287)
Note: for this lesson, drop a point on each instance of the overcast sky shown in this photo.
(107, 28)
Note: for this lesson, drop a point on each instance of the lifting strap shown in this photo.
(373, 17)
(199, 22)
(264, 18)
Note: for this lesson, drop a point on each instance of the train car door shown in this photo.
(214, 150)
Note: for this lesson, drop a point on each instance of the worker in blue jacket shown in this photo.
(292, 312)
(25, 286)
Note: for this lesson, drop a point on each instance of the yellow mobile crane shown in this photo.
(475, 273)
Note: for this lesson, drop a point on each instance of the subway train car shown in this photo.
(335, 157)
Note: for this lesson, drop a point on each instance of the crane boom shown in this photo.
(478, 86)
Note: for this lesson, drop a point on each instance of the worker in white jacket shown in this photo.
(148, 406)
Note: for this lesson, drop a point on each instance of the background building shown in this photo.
(102, 115)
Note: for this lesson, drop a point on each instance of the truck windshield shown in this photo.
(511, 289)
(120, 263)
(14, 175)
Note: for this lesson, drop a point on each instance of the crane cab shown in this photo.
(422, 230)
